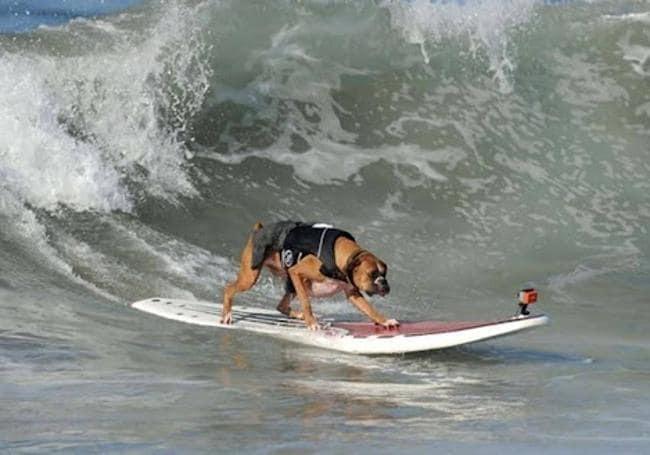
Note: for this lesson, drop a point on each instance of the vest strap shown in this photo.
(320, 244)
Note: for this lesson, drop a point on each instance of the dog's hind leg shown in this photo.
(246, 278)
(284, 306)
(301, 275)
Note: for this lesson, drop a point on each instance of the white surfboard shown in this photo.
(351, 337)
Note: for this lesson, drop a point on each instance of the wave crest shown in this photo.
(80, 130)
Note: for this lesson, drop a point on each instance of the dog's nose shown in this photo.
(383, 287)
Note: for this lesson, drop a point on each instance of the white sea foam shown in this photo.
(39, 160)
(79, 127)
(331, 162)
(484, 22)
(637, 54)
(74, 127)
(642, 17)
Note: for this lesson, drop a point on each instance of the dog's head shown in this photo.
(368, 274)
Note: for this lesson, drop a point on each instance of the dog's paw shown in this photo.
(390, 323)
(313, 325)
(296, 315)
(226, 318)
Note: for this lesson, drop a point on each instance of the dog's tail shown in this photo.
(257, 246)
(268, 239)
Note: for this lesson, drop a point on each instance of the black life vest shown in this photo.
(317, 240)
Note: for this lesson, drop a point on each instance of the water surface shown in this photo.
(477, 147)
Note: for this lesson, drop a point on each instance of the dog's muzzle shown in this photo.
(382, 286)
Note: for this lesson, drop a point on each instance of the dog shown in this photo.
(317, 260)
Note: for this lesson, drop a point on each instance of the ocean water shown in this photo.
(477, 146)
(25, 15)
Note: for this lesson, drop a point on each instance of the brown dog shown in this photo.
(317, 260)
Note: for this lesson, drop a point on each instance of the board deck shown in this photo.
(351, 337)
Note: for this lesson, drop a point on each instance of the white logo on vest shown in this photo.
(287, 258)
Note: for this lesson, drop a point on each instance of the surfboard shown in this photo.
(344, 336)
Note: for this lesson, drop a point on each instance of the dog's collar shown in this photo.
(353, 257)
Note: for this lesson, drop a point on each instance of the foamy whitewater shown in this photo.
(477, 146)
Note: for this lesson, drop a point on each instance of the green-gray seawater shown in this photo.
(476, 146)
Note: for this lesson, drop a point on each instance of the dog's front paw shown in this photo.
(312, 324)
(226, 318)
(390, 323)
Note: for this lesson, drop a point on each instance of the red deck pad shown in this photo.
(366, 329)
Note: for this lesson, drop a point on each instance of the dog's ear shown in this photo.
(356, 267)
(355, 263)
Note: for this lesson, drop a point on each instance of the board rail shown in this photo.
(345, 336)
